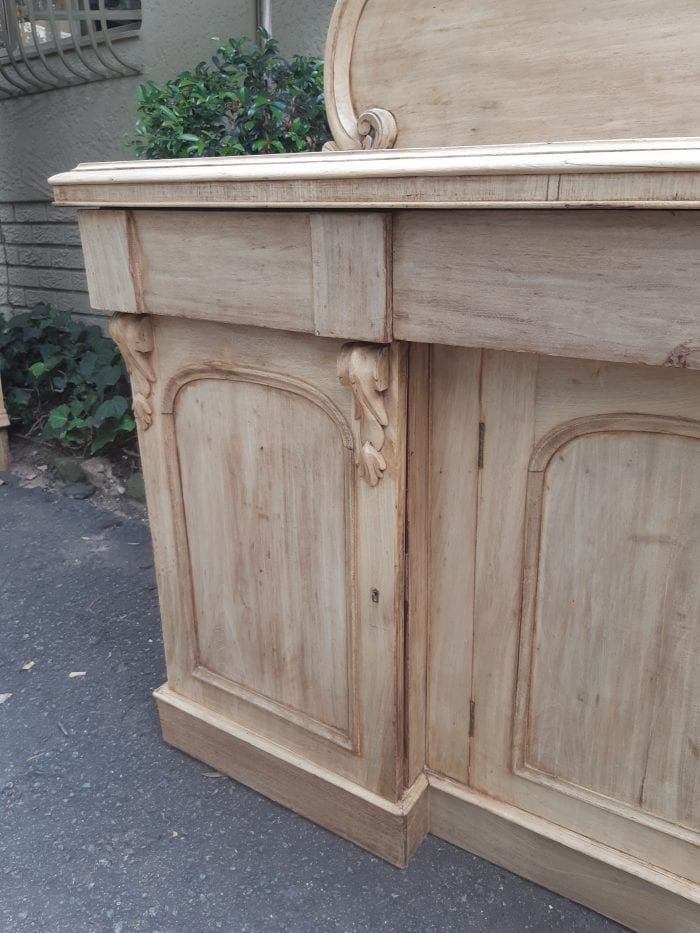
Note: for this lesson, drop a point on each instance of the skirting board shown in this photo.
(390, 830)
(616, 885)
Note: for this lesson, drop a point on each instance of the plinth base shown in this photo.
(390, 830)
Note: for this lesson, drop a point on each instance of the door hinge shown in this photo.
(472, 715)
(482, 435)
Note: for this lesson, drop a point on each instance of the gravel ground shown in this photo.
(105, 828)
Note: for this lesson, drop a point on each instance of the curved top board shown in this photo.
(422, 73)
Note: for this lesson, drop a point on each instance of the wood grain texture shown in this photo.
(625, 173)
(601, 651)
(597, 285)
(600, 877)
(327, 274)
(461, 74)
(308, 653)
(110, 265)
(417, 548)
(274, 603)
(390, 830)
(568, 390)
(178, 252)
(471, 561)
(455, 406)
(615, 605)
(351, 256)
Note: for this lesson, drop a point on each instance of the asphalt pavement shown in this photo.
(103, 827)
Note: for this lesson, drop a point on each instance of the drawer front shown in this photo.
(316, 273)
(607, 285)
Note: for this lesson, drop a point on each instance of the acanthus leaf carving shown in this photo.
(133, 334)
(365, 369)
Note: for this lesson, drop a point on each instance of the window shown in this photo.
(46, 44)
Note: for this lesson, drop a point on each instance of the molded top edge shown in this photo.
(656, 155)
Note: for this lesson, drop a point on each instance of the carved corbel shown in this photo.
(365, 368)
(133, 334)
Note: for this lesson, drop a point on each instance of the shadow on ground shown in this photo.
(105, 828)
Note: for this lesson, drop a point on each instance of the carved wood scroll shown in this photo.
(133, 334)
(365, 368)
(375, 129)
(352, 126)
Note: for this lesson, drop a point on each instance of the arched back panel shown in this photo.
(491, 72)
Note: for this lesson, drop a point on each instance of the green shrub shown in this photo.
(64, 381)
(249, 100)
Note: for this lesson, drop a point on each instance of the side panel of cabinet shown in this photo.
(280, 568)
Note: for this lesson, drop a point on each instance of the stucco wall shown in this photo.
(301, 26)
(42, 134)
(51, 132)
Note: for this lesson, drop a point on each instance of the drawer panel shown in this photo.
(607, 285)
(318, 273)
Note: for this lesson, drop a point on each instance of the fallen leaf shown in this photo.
(4, 697)
(74, 674)
(28, 666)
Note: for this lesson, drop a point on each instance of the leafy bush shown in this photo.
(251, 101)
(64, 381)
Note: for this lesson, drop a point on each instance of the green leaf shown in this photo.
(241, 102)
(111, 408)
(58, 417)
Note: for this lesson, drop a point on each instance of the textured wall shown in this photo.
(42, 134)
(51, 132)
(41, 258)
(301, 25)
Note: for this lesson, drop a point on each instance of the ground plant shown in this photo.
(249, 99)
(64, 381)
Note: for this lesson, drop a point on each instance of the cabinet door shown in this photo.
(586, 684)
(278, 538)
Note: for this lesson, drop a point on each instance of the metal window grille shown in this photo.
(47, 44)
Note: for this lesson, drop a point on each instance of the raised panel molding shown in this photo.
(321, 670)
(615, 497)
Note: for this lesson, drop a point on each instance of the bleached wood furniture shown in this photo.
(421, 437)
(4, 439)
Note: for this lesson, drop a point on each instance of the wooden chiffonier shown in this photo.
(421, 438)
